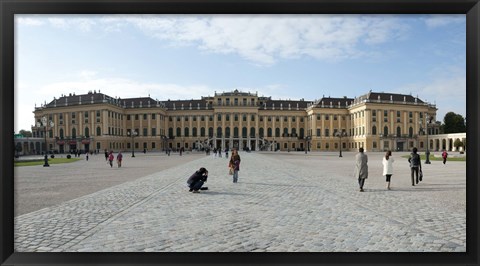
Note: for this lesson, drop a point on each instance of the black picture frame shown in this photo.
(8, 8)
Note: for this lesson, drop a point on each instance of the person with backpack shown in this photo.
(110, 158)
(415, 166)
(444, 156)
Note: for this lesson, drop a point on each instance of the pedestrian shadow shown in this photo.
(216, 193)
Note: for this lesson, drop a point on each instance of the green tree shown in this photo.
(454, 123)
(26, 133)
(458, 143)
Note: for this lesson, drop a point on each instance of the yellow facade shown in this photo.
(374, 121)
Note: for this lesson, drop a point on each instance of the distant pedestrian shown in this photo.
(86, 156)
(235, 164)
(444, 156)
(361, 168)
(226, 153)
(110, 158)
(220, 152)
(119, 159)
(415, 165)
(196, 181)
(106, 155)
(144, 150)
(388, 167)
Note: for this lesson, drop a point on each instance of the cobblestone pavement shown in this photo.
(282, 202)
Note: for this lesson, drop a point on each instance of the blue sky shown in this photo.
(283, 56)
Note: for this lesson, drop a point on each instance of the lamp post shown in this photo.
(45, 123)
(132, 134)
(427, 153)
(340, 134)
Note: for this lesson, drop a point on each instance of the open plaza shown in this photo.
(283, 202)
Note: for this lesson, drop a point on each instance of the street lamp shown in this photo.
(427, 153)
(45, 123)
(132, 134)
(340, 134)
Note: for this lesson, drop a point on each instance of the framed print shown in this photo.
(239, 133)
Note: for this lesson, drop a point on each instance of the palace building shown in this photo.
(376, 121)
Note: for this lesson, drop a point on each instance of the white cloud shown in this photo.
(435, 21)
(265, 39)
(28, 21)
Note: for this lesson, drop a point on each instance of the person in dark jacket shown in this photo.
(415, 165)
(235, 165)
(196, 181)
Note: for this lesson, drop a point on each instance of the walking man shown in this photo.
(361, 168)
(415, 165)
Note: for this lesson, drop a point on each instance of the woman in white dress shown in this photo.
(388, 167)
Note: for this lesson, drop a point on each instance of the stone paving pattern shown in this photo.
(283, 202)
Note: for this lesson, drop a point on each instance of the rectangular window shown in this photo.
(194, 118)
(154, 131)
(170, 118)
(210, 118)
(244, 118)
(153, 145)
(374, 144)
(269, 119)
(335, 117)
(186, 118)
(261, 118)
(319, 117)
(374, 112)
(136, 117)
(294, 119)
(202, 118)
(236, 101)
(284, 119)
(252, 118)
(318, 132)
(228, 101)
(277, 119)
(73, 115)
(327, 132)
(301, 119)
(318, 145)
(327, 117)
(145, 131)
(153, 117)
(219, 117)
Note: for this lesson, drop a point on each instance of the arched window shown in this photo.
(399, 132)
(186, 132)
(277, 132)
(219, 132)
(194, 132)
(252, 132)
(202, 132)
(294, 131)
(260, 132)
(87, 132)
(170, 132)
(61, 133)
(74, 133)
(302, 132)
(374, 130)
(269, 132)
(385, 131)
(244, 132)
(210, 132)
(227, 132)
(410, 132)
(285, 132)
(235, 132)
(179, 132)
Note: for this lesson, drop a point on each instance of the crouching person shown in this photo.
(196, 181)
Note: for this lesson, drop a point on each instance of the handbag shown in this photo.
(230, 171)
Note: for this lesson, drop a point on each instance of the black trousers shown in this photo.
(414, 170)
(361, 182)
(388, 177)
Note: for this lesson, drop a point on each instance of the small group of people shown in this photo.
(416, 174)
(109, 157)
(196, 181)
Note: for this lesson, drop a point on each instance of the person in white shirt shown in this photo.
(388, 167)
